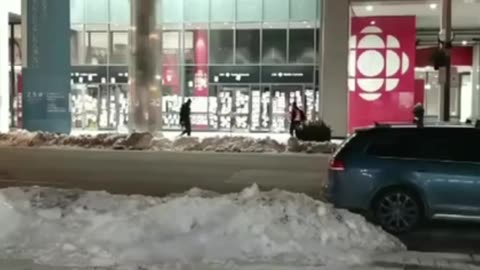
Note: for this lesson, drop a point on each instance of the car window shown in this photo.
(432, 144)
(394, 143)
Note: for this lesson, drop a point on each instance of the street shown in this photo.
(163, 173)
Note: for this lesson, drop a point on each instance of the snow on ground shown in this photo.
(84, 229)
(148, 142)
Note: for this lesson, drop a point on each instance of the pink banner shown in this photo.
(381, 70)
(171, 74)
(201, 63)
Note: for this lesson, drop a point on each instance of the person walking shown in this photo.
(419, 115)
(185, 118)
(297, 117)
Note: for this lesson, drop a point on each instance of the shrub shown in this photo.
(316, 131)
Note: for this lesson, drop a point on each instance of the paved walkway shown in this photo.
(397, 261)
(428, 261)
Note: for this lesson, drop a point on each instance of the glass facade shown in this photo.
(242, 62)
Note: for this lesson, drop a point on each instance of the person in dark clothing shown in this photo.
(185, 118)
(297, 117)
(419, 115)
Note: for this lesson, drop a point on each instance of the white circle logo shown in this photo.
(376, 63)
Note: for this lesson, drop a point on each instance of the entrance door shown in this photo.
(234, 108)
(282, 100)
(107, 107)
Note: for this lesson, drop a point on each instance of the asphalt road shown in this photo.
(162, 173)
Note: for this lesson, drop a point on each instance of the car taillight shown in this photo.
(337, 165)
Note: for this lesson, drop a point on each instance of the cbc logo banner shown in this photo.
(376, 63)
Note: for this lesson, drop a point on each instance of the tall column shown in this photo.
(4, 66)
(476, 83)
(145, 68)
(334, 65)
(445, 36)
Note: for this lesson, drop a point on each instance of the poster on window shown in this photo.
(381, 70)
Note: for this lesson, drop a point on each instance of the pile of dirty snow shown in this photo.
(84, 229)
(146, 141)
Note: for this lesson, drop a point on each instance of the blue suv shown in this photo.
(403, 175)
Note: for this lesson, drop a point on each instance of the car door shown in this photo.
(449, 171)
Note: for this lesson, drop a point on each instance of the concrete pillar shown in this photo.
(4, 69)
(476, 83)
(145, 68)
(334, 65)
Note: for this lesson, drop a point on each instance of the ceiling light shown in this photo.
(369, 8)
(433, 6)
(464, 43)
(373, 22)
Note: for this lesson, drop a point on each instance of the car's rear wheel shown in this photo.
(398, 211)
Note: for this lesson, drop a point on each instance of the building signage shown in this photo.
(381, 73)
(287, 74)
(47, 74)
(234, 74)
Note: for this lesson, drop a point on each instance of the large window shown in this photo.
(302, 46)
(119, 53)
(247, 46)
(77, 45)
(221, 46)
(120, 12)
(196, 10)
(222, 10)
(276, 10)
(274, 46)
(96, 11)
(96, 43)
(303, 10)
(249, 10)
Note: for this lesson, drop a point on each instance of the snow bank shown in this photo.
(81, 229)
(145, 141)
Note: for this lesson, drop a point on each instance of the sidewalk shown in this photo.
(428, 261)
(398, 261)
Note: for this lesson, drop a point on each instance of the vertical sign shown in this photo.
(47, 73)
(201, 63)
(381, 70)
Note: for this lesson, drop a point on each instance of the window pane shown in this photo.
(171, 11)
(221, 46)
(96, 47)
(248, 46)
(275, 10)
(171, 47)
(303, 10)
(302, 46)
(222, 10)
(120, 12)
(77, 11)
(196, 47)
(96, 11)
(196, 10)
(249, 10)
(274, 46)
(119, 48)
(77, 41)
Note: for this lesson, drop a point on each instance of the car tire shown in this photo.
(398, 211)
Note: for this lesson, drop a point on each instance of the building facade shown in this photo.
(241, 62)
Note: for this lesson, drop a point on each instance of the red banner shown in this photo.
(201, 63)
(381, 70)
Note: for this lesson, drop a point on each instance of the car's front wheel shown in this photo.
(398, 211)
